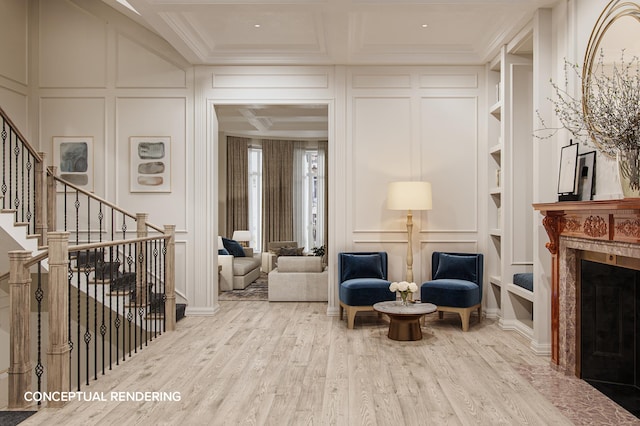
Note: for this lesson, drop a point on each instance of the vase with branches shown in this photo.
(607, 113)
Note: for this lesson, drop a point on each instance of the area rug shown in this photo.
(12, 418)
(257, 290)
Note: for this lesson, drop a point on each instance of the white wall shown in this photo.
(413, 123)
(582, 16)
(385, 124)
(13, 67)
(94, 72)
(106, 77)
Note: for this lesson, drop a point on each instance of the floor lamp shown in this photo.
(409, 196)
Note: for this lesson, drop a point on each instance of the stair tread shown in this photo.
(119, 293)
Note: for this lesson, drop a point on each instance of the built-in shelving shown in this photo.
(509, 188)
(493, 256)
(495, 280)
(496, 109)
(520, 292)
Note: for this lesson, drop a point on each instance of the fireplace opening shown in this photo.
(609, 325)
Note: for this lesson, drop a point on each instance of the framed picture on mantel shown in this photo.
(586, 175)
(568, 174)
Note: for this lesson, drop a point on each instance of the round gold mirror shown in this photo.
(614, 42)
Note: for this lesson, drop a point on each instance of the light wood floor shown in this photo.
(291, 364)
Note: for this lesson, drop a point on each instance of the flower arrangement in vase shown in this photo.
(404, 288)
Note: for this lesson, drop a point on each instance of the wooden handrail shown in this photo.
(37, 258)
(92, 246)
(101, 200)
(84, 247)
(20, 135)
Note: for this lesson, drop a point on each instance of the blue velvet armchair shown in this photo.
(456, 284)
(363, 282)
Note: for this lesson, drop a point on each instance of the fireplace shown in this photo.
(608, 344)
(608, 314)
(595, 248)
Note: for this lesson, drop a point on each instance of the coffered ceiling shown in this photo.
(323, 32)
(274, 121)
(326, 32)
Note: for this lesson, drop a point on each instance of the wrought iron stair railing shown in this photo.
(22, 189)
(110, 287)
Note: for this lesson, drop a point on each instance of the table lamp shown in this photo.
(409, 196)
(242, 236)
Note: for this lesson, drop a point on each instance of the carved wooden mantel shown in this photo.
(610, 220)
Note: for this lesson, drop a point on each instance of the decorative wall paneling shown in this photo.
(14, 79)
(116, 81)
(414, 123)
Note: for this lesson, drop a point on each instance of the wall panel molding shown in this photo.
(449, 81)
(269, 81)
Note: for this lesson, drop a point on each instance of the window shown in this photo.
(255, 197)
(310, 197)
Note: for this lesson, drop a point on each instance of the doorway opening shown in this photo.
(301, 132)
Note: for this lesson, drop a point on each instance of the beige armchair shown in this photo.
(238, 272)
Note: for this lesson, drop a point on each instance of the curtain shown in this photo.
(299, 208)
(323, 193)
(277, 191)
(237, 184)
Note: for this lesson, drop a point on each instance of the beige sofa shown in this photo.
(269, 257)
(238, 272)
(299, 279)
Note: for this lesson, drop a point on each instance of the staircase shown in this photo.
(15, 236)
(103, 279)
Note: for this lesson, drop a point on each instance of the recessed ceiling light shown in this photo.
(424, 25)
(256, 25)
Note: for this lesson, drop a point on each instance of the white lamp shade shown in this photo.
(409, 196)
(242, 235)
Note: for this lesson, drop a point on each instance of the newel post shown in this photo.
(51, 200)
(20, 369)
(41, 199)
(58, 372)
(170, 278)
(141, 252)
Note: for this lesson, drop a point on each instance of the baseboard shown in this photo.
(201, 312)
(491, 313)
(515, 325)
(333, 311)
(540, 348)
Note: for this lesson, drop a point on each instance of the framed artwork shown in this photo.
(150, 164)
(567, 182)
(73, 155)
(586, 175)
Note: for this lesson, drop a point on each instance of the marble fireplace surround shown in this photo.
(605, 231)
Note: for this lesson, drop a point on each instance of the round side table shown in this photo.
(404, 321)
